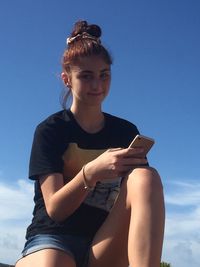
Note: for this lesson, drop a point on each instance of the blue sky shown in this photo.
(155, 84)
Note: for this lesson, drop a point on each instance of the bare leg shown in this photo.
(110, 245)
(147, 218)
(47, 258)
(133, 232)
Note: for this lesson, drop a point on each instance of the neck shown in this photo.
(91, 119)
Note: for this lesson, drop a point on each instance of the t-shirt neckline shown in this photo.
(71, 115)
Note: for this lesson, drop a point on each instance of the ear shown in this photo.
(66, 79)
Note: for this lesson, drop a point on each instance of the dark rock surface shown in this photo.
(5, 265)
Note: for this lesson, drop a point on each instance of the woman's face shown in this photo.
(89, 80)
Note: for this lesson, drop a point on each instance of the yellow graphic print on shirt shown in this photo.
(75, 157)
(105, 193)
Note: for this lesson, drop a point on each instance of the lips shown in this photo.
(95, 94)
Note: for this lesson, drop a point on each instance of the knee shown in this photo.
(146, 179)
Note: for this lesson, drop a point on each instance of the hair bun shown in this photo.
(82, 26)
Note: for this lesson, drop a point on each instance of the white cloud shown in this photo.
(182, 231)
(12, 239)
(16, 204)
(186, 193)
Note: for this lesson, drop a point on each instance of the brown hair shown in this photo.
(84, 41)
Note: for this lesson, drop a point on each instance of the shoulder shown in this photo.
(120, 123)
(121, 130)
(54, 123)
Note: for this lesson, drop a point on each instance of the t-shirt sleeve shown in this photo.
(46, 153)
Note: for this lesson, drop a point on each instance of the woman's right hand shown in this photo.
(113, 163)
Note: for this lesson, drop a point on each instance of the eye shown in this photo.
(86, 77)
(105, 75)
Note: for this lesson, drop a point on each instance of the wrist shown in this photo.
(88, 180)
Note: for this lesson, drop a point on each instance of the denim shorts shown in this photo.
(76, 246)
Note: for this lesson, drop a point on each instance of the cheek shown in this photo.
(107, 85)
(75, 84)
(77, 89)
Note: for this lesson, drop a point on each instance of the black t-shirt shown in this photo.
(60, 145)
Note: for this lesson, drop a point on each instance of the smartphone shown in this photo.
(142, 141)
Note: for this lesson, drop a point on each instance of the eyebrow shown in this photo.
(107, 69)
(90, 71)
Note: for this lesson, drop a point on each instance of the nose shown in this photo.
(96, 84)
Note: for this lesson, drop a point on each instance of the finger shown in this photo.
(128, 152)
(132, 161)
(135, 150)
(115, 149)
(127, 169)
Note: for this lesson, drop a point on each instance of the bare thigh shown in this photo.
(47, 258)
(109, 247)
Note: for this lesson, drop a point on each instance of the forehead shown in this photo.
(90, 63)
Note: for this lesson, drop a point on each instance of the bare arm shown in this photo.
(61, 200)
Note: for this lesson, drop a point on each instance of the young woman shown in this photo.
(97, 202)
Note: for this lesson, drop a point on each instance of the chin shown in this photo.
(94, 103)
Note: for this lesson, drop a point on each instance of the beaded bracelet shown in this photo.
(86, 186)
